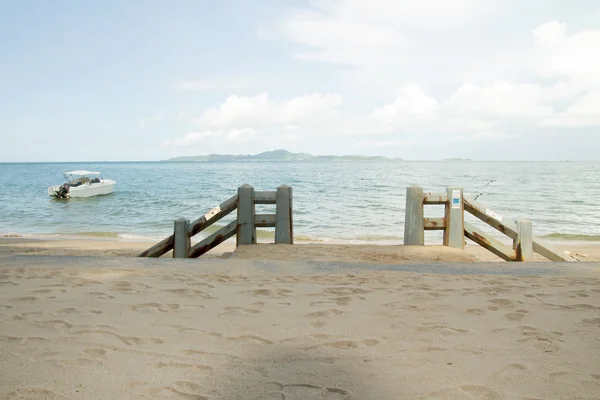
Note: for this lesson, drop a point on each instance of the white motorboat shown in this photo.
(82, 184)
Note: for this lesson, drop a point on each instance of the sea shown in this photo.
(333, 202)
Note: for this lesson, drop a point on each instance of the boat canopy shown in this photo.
(81, 172)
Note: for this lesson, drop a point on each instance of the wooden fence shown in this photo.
(244, 226)
(456, 229)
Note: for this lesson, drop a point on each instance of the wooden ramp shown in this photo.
(456, 229)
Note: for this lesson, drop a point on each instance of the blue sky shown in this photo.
(149, 80)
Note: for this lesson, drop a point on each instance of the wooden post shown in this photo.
(284, 232)
(454, 234)
(524, 242)
(246, 231)
(181, 242)
(413, 222)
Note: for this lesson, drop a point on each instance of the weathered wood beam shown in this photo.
(435, 198)
(246, 230)
(160, 248)
(454, 234)
(524, 244)
(284, 232)
(213, 215)
(264, 220)
(262, 197)
(181, 240)
(213, 240)
(434, 224)
(413, 220)
(483, 239)
(508, 226)
(551, 253)
(505, 225)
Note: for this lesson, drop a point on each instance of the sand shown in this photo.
(301, 251)
(130, 328)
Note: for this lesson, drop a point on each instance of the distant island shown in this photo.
(277, 155)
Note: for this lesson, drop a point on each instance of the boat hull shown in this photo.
(86, 190)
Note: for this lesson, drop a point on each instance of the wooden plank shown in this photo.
(505, 225)
(246, 231)
(264, 220)
(523, 245)
(551, 253)
(213, 215)
(483, 239)
(435, 198)
(434, 224)
(454, 234)
(262, 197)
(181, 240)
(213, 240)
(413, 220)
(162, 247)
(508, 226)
(283, 215)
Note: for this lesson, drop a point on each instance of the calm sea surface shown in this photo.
(353, 202)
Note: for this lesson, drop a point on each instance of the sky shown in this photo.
(142, 80)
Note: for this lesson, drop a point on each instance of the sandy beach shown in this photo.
(85, 319)
(116, 328)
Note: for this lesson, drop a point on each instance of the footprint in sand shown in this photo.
(181, 365)
(239, 310)
(24, 299)
(268, 292)
(189, 390)
(517, 315)
(101, 295)
(33, 394)
(545, 341)
(442, 329)
(155, 306)
(510, 372)
(324, 313)
(303, 391)
(475, 311)
(95, 352)
(480, 392)
(591, 321)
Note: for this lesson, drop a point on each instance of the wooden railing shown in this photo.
(244, 226)
(456, 229)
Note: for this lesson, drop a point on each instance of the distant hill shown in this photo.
(276, 155)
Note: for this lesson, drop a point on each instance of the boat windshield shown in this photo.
(76, 178)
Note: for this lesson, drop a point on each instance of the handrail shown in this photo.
(214, 215)
(160, 248)
(244, 226)
(456, 229)
(213, 240)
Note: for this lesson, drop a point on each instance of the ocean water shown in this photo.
(348, 202)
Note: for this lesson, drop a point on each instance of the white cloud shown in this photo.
(575, 58)
(261, 110)
(373, 32)
(562, 89)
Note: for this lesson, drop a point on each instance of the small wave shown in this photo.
(96, 234)
(378, 238)
(572, 237)
(12, 235)
(140, 238)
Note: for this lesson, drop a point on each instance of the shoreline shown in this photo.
(80, 245)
